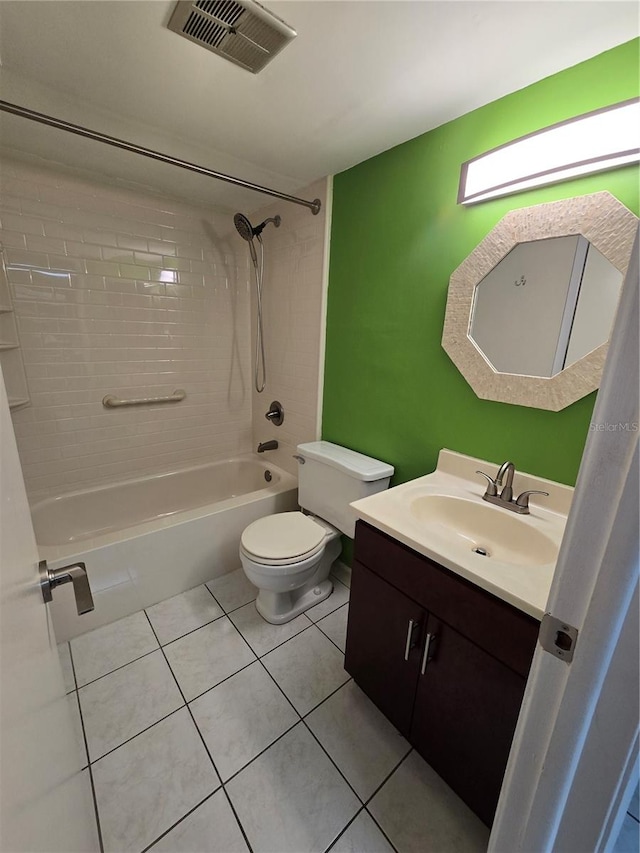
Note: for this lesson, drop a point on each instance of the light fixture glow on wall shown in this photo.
(594, 142)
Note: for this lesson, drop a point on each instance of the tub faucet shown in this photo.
(505, 498)
(267, 445)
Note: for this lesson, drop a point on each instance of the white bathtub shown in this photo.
(147, 539)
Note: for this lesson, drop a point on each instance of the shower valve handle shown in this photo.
(275, 413)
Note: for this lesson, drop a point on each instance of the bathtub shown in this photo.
(147, 539)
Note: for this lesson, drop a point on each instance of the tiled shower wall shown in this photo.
(294, 323)
(121, 292)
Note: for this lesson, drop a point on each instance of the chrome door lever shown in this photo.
(76, 573)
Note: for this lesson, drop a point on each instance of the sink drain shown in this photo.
(482, 551)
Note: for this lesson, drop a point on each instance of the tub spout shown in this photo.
(267, 445)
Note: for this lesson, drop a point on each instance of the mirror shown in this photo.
(544, 306)
(530, 310)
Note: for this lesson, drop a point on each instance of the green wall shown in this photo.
(397, 234)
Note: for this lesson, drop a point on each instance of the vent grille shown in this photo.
(242, 31)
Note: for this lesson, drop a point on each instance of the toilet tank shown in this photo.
(331, 477)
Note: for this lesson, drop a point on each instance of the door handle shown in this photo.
(427, 655)
(76, 573)
(412, 627)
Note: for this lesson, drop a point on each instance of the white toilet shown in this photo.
(288, 556)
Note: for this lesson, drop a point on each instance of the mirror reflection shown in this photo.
(544, 306)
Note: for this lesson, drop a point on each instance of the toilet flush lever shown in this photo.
(76, 573)
(300, 459)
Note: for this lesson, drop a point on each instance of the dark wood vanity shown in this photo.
(444, 660)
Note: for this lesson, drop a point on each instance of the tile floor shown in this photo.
(206, 729)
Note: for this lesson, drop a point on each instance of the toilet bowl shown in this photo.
(288, 557)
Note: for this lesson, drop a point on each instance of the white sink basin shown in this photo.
(489, 532)
(442, 516)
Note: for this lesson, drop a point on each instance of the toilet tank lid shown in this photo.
(359, 466)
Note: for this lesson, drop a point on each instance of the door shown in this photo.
(383, 645)
(467, 706)
(45, 799)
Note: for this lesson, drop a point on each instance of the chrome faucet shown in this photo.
(505, 498)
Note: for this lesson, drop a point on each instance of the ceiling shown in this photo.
(360, 77)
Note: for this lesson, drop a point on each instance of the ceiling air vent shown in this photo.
(242, 31)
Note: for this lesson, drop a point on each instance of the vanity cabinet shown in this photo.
(444, 660)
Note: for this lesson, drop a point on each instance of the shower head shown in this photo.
(245, 230)
(243, 227)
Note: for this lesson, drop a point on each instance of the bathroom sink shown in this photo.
(443, 516)
(487, 531)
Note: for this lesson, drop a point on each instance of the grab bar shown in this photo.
(112, 402)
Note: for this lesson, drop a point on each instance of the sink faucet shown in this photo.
(507, 470)
(505, 498)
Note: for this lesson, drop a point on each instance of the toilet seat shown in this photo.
(283, 539)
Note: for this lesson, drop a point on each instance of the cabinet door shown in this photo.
(384, 636)
(466, 709)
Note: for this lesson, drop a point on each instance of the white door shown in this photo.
(45, 798)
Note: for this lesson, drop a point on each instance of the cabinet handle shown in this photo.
(409, 645)
(425, 657)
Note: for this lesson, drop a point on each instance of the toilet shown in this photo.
(288, 556)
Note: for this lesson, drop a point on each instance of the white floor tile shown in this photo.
(361, 741)
(241, 717)
(149, 783)
(419, 812)
(233, 590)
(308, 668)
(338, 597)
(207, 656)
(335, 626)
(122, 704)
(107, 648)
(183, 613)
(261, 635)
(291, 799)
(212, 827)
(363, 836)
(67, 668)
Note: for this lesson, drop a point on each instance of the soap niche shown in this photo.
(15, 378)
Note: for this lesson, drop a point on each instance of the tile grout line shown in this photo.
(122, 666)
(86, 746)
(213, 764)
(339, 836)
(301, 718)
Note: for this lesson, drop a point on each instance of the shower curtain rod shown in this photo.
(314, 206)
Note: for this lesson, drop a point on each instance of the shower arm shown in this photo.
(15, 109)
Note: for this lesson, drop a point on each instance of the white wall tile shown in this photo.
(102, 267)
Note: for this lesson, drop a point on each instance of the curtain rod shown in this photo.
(314, 206)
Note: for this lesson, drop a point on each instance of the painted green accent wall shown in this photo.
(397, 234)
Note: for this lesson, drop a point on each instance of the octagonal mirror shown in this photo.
(529, 312)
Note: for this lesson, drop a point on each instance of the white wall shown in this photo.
(294, 297)
(123, 292)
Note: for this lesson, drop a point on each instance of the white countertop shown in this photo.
(524, 586)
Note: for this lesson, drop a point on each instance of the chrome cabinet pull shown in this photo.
(426, 657)
(409, 644)
(76, 573)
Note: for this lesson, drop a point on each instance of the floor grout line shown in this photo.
(86, 747)
(300, 719)
(122, 666)
(215, 769)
